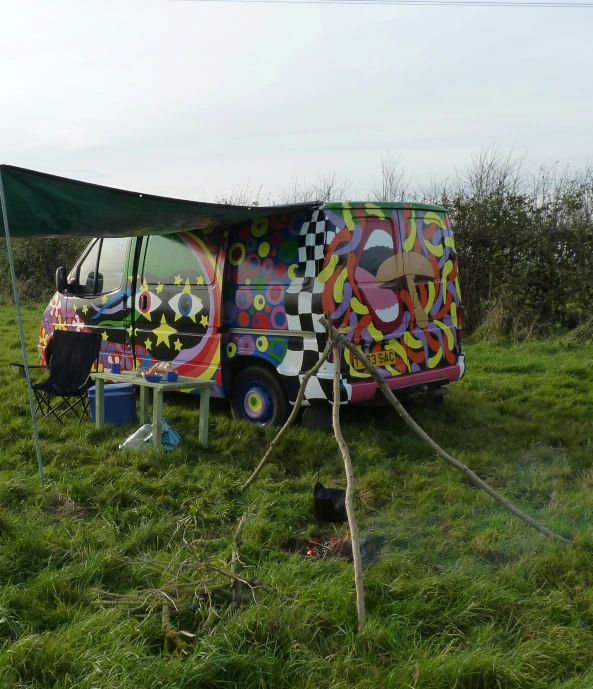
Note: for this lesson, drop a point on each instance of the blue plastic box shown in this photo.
(120, 403)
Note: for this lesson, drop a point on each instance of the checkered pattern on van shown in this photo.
(303, 310)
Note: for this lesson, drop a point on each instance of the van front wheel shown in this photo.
(258, 397)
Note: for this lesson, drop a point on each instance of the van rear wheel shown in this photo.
(258, 397)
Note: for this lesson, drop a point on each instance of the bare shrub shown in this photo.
(394, 183)
(324, 188)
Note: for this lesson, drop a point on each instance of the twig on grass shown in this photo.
(178, 595)
(236, 557)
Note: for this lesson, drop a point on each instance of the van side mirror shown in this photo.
(61, 280)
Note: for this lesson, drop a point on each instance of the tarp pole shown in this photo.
(21, 330)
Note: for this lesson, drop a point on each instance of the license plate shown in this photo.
(382, 358)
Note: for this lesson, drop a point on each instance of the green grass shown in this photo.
(462, 595)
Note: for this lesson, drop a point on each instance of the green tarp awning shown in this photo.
(35, 204)
(42, 205)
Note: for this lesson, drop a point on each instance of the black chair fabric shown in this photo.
(73, 356)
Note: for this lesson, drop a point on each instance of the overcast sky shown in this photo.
(194, 99)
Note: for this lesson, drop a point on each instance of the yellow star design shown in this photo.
(159, 287)
(131, 278)
(164, 332)
(177, 280)
(144, 285)
(104, 335)
(130, 330)
(147, 344)
(187, 288)
(204, 320)
(177, 344)
(74, 307)
(104, 300)
(200, 280)
(85, 309)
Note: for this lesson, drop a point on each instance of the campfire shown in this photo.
(328, 547)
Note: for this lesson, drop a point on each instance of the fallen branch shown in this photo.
(178, 595)
(473, 478)
(289, 421)
(358, 581)
(236, 557)
(174, 642)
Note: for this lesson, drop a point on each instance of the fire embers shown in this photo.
(321, 547)
(332, 547)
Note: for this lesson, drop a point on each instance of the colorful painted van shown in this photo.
(241, 304)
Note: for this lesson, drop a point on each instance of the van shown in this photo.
(240, 304)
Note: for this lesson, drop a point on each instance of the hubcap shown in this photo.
(258, 405)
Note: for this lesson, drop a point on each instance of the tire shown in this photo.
(257, 396)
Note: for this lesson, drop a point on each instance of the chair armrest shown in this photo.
(23, 366)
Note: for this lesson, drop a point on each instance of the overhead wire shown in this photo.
(417, 3)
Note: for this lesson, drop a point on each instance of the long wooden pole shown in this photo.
(354, 537)
(473, 478)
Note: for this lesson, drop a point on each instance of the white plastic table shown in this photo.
(183, 383)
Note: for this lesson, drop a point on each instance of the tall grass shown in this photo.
(461, 594)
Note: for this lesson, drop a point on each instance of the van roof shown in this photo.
(383, 205)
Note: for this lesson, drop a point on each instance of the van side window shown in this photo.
(167, 255)
(87, 271)
(102, 269)
(111, 264)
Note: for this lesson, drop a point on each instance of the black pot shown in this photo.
(329, 503)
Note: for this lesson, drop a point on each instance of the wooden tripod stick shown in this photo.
(473, 478)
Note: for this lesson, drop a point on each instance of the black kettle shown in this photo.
(329, 503)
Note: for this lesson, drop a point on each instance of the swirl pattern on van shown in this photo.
(392, 276)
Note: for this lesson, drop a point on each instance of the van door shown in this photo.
(102, 301)
(362, 277)
(177, 303)
(431, 291)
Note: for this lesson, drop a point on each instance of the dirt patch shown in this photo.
(60, 506)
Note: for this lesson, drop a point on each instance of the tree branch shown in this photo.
(358, 581)
(473, 478)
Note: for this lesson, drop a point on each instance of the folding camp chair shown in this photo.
(73, 355)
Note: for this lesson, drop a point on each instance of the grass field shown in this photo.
(461, 594)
